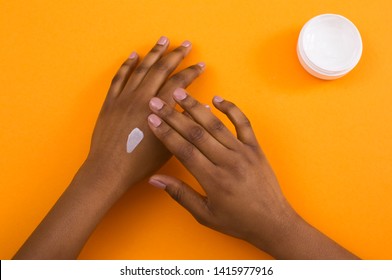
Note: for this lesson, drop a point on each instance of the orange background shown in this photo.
(330, 143)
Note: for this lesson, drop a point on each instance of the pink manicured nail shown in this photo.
(157, 184)
(186, 44)
(179, 94)
(154, 120)
(132, 55)
(162, 41)
(218, 99)
(156, 103)
(202, 65)
(207, 106)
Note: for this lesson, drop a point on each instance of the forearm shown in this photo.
(299, 240)
(66, 228)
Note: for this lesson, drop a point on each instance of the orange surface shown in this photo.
(330, 143)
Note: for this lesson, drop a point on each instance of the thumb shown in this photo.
(187, 197)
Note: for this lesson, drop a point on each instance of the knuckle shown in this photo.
(245, 121)
(177, 194)
(121, 73)
(216, 125)
(231, 108)
(166, 112)
(185, 152)
(162, 66)
(238, 115)
(239, 168)
(255, 150)
(196, 134)
(203, 218)
(180, 78)
(191, 103)
(180, 52)
(184, 77)
(165, 133)
(142, 69)
(156, 49)
(117, 78)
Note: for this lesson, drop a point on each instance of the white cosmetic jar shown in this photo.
(329, 46)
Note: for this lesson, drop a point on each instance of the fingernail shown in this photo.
(202, 65)
(156, 103)
(186, 44)
(179, 94)
(132, 55)
(157, 184)
(162, 41)
(154, 120)
(207, 106)
(218, 99)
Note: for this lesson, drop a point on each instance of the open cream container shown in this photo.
(329, 46)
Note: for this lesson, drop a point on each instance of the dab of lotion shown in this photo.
(134, 138)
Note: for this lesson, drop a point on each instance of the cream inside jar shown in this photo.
(329, 46)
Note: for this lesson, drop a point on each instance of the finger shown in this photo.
(160, 71)
(120, 79)
(190, 130)
(187, 197)
(151, 58)
(181, 79)
(203, 115)
(241, 123)
(184, 151)
(185, 113)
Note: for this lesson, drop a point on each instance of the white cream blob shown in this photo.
(134, 139)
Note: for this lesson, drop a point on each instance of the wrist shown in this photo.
(276, 236)
(99, 178)
(293, 238)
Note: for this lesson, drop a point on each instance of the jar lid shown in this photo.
(330, 44)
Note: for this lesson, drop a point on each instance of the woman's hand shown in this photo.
(243, 197)
(126, 108)
(241, 188)
(110, 169)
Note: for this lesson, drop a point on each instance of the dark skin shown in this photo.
(243, 197)
(109, 171)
